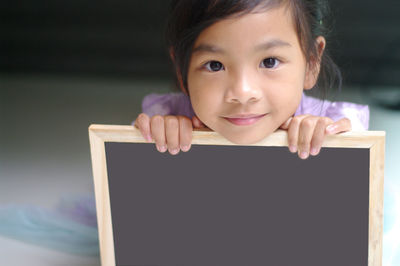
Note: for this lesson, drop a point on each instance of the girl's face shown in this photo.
(247, 74)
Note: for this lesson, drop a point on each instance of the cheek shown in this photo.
(204, 94)
(195, 91)
(286, 93)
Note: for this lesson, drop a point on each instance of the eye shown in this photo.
(214, 66)
(270, 63)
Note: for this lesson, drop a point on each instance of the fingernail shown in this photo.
(314, 151)
(162, 149)
(293, 148)
(331, 128)
(174, 151)
(185, 148)
(148, 138)
(304, 155)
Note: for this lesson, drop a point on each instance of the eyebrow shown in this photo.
(208, 48)
(272, 44)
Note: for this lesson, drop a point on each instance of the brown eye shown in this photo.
(214, 66)
(270, 63)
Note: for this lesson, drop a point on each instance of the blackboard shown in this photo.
(227, 205)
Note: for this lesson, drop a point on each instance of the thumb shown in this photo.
(286, 124)
(197, 123)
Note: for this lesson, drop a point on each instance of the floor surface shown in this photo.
(44, 148)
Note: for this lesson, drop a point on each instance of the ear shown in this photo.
(314, 66)
(178, 72)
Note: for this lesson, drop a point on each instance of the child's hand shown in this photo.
(307, 132)
(172, 133)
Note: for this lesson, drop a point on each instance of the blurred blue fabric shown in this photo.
(69, 227)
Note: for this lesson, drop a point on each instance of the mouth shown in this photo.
(244, 119)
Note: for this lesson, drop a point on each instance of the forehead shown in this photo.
(251, 28)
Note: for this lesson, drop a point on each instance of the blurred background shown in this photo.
(67, 64)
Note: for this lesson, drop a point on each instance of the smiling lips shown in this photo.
(244, 120)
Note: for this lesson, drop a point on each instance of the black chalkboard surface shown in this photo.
(231, 205)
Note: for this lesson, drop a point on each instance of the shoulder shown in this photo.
(166, 104)
(357, 113)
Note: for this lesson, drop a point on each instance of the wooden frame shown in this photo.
(373, 140)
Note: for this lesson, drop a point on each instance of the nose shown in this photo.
(242, 88)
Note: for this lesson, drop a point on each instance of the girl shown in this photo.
(243, 66)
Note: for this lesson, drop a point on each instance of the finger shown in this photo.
(319, 135)
(285, 125)
(158, 132)
(197, 123)
(306, 132)
(293, 132)
(185, 133)
(143, 124)
(172, 134)
(341, 125)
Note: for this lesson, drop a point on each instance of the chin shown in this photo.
(246, 139)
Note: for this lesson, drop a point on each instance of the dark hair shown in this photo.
(188, 18)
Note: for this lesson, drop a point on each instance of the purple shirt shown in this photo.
(179, 104)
